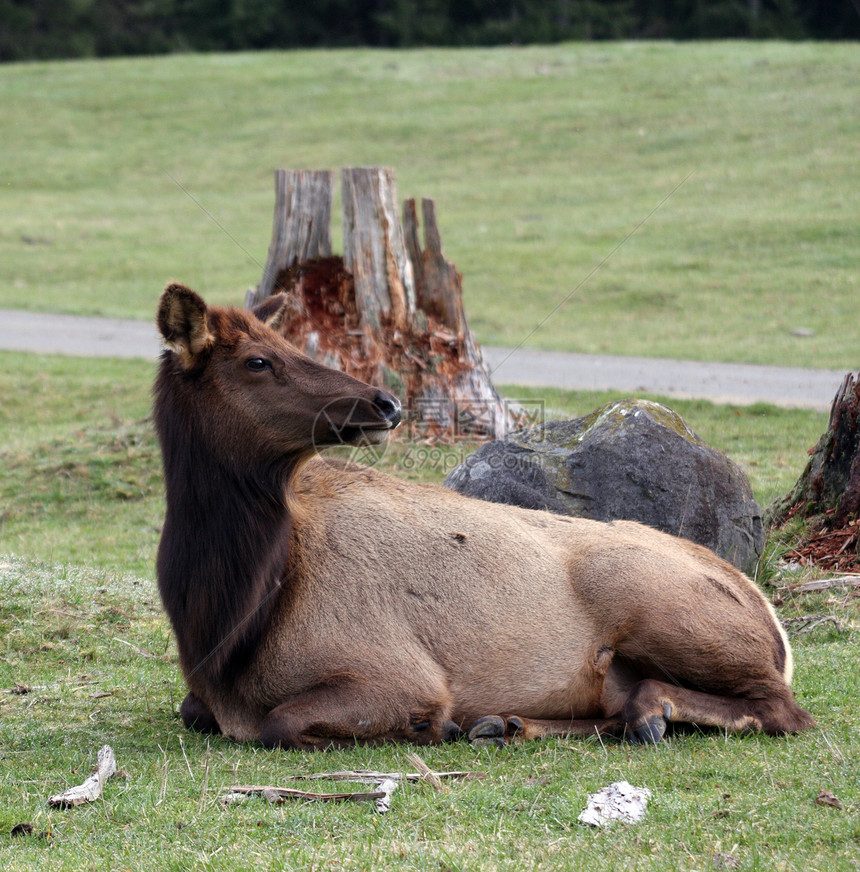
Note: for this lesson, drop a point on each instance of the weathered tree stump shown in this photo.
(828, 491)
(389, 311)
(301, 227)
(438, 285)
(373, 250)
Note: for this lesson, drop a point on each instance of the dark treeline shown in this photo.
(99, 28)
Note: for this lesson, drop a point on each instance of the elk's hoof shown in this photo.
(450, 732)
(649, 731)
(488, 731)
(196, 715)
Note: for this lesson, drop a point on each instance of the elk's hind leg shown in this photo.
(652, 704)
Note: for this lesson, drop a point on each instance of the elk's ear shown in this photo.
(182, 322)
(273, 310)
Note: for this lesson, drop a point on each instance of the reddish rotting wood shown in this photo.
(827, 494)
(388, 312)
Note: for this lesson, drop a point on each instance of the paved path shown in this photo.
(719, 382)
(735, 383)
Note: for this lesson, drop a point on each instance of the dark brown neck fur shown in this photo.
(225, 541)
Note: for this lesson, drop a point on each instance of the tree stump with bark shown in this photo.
(389, 311)
(827, 494)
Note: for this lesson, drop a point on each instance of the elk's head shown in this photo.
(249, 390)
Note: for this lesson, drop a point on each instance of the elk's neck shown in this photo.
(222, 558)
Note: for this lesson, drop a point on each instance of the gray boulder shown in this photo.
(634, 460)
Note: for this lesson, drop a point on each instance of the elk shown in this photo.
(319, 604)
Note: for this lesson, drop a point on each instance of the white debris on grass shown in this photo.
(383, 804)
(91, 789)
(619, 801)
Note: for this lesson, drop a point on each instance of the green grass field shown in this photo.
(542, 160)
(82, 628)
(737, 162)
(101, 669)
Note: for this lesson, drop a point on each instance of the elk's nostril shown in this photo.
(389, 407)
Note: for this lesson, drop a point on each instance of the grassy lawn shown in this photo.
(542, 160)
(81, 485)
(98, 659)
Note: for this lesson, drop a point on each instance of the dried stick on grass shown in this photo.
(807, 623)
(823, 584)
(427, 774)
(371, 776)
(91, 789)
(385, 782)
(280, 794)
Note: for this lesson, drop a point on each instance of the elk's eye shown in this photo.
(257, 364)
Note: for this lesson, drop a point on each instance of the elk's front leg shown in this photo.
(340, 715)
(501, 729)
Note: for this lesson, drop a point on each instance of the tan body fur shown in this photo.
(402, 608)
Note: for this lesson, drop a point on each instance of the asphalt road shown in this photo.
(738, 384)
